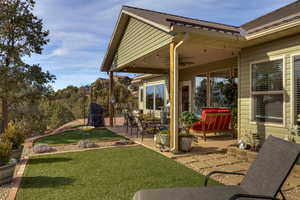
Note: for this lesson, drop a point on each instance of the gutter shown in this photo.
(175, 108)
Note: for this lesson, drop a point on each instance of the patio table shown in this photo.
(156, 125)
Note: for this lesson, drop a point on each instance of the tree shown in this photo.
(60, 116)
(21, 35)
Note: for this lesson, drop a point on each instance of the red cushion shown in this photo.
(197, 126)
(214, 110)
(213, 122)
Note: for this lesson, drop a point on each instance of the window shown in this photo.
(267, 91)
(200, 93)
(150, 97)
(159, 96)
(155, 97)
(218, 83)
(297, 86)
(141, 95)
(211, 89)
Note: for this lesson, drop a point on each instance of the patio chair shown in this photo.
(130, 122)
(263, 180)
(214, 120)
(142, 128)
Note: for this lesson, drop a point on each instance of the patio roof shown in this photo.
(152, 31)
(165, 27)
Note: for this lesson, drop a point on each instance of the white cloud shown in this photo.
(59, 52)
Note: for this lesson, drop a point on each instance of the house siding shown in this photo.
(284, 48)
(138, 40)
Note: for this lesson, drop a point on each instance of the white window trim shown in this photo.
(154, 83)
(293, 93)
(283, 124)
(208, 76)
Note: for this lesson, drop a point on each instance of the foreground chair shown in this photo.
(263, 180)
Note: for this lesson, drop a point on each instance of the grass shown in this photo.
(73, 136)
(108, 174)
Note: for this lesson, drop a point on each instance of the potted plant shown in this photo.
(164, 137)
(185, 137)
(7, 164)
(13, 134)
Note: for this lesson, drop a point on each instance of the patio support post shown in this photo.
(173, 99)
(174, 92)
(110, 98)
(171, 82)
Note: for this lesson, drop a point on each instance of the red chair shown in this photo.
(213, 120)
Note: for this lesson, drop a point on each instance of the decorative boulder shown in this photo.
(123, 142)
(43, 148)
(86, 144)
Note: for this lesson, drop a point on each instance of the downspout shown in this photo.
(175, 83)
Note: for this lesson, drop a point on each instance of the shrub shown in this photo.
(164, 132)
(32, 126)
(60, 116)
(5, 152)
(188, 118)
(13, 135)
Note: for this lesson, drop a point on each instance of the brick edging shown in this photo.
(82, 150)
(17, 179)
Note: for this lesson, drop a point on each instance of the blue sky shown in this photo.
(80, 30)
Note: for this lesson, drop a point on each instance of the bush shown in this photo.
(13, 135)
(60, 116)
(32, 125)
(188, 118)
(5, 152)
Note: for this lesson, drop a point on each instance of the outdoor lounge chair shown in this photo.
(263, 180)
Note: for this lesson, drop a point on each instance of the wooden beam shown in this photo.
(142, 70)
(171, 83)
(110, 97)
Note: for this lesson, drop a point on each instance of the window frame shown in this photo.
(230, 70)
(293, 92)
(252, 93)
(153, 84)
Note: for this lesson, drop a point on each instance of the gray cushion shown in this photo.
(189, 193)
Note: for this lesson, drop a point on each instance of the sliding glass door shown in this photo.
(155, 97)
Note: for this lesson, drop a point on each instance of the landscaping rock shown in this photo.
(43, 148)
(86, 144)
(124, 142)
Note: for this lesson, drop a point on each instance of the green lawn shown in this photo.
(107, 174)
(73, 136)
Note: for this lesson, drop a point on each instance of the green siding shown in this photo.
(138, 40)
(280, 48)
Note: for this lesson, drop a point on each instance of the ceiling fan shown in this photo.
(183, 60)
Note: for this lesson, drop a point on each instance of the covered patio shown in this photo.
(155, 43)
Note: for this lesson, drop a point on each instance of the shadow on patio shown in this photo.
(213, 144)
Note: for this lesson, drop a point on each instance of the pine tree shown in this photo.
(21, 35)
